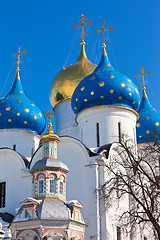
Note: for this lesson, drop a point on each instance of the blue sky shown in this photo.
(44, 29)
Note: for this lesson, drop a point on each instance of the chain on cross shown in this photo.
(142, 75)
(82, 24)
(18, 54)
(103, 29)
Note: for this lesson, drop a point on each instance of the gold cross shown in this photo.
(49, 115)
(142, 75)
(18, 54)
(103, 29)
(82, 24)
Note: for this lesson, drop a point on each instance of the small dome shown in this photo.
(105, 86)
(51, 163)
(17, 111)
(148, 125)
(68, 78)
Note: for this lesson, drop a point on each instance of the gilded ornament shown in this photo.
(134, 102)
(9, 120)
(108, 65)
(122, 84)
(111, 91)
(19, 91)
(136, 90)
(156, 136)
(35, 118)
(92, 93)
(26, 110)
(8, 108)
(120, 97)
(130, 94)
(2, 101)
(154, 109)
(128, 80)
(76, 99)
(18, 114)
(146, 118)
(147, 131)
(85, 100)
(17, 96)
(101, 84)
(19, 101)
(25, 122)
(40, 114)
(92, 78)
(75, 108)
(140, 136)
(111, 76)
(0, 114)
(32, 104)
(101, 97)
(156, 123)
(82, 88)
(138, 124)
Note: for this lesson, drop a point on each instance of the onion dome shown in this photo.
(105, 86)
(148, 125)
(68, 78)
(17, 111)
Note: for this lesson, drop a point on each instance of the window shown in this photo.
(14, 147)
(41, 186)
(61, 188)
(52, 186)
(118, 233)
(2, 194)
(97, 129)
(119, 131)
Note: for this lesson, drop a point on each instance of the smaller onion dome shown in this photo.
(148, 125)
(68, 78)
(105, 86)
(17, 111)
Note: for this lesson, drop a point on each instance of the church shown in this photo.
(49, 182)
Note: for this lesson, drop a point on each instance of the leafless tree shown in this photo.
(135, 174)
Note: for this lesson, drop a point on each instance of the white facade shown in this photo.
(65, 120)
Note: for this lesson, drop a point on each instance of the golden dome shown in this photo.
(68, 78)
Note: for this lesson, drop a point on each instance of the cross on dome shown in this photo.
(103, 29)
(82, 24)
(49, 115)
(18, 61)
(142, 75)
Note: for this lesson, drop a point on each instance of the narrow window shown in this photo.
(32, 152)
(41, 186)
(2, 194)
(97, 128)
(14, 147)
(52, 186)
(118, 233)
(117, 187)
(119, 132)
(145, 238)
(61, 188)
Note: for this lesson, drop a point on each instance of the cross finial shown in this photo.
(82, 24)
(142, 75)
(103, 29)
(49, 115)
(18, 61)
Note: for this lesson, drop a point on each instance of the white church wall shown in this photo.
(26, 142)
(81, 180)
(65, 120)
(108, 118)
(18, 182)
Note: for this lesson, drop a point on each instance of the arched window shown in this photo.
(52, 184)
(41, 183)
(61, 185)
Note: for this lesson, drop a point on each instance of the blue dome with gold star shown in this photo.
(148, 125)
(105, 86)
(17, 111)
